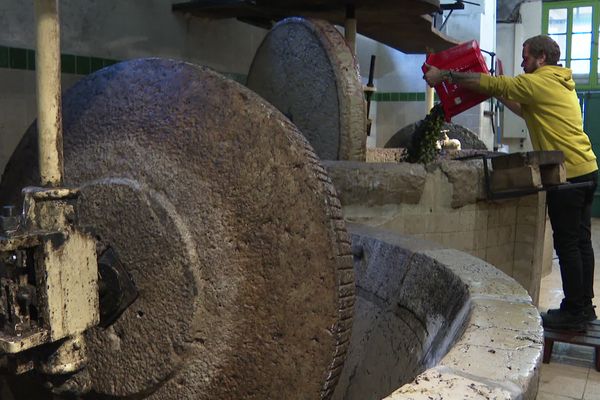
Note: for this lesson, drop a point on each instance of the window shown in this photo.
(574, 26)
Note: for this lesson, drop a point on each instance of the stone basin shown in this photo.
(432, 322)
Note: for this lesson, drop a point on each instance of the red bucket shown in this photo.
(465, 57)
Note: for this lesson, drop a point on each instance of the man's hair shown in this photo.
(542, 44)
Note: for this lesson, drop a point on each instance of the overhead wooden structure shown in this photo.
(402, 24)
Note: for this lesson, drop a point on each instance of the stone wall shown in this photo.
(446, 203)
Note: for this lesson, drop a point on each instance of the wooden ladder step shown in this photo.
(590, 338)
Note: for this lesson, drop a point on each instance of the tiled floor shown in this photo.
(571, 373)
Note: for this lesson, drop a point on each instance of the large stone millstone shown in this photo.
(305, 69)
(228, 225)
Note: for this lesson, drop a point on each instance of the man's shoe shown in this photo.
(588, 311)
(565, 320)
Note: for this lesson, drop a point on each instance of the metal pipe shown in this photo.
(428, 98)
(369, 90)
(49, 119)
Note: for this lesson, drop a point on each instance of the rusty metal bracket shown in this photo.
(48, 282)
(507, 194)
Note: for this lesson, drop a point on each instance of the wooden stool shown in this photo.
(591, 337)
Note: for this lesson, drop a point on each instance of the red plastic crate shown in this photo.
(465, 57)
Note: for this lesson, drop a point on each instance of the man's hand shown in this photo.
(468, 80)
(434, 76)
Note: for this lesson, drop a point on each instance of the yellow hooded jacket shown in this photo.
(551, 110)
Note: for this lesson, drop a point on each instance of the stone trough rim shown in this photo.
(449, 370)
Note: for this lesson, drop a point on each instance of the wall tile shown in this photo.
(481, 219)
(18, 58)
(4, 59)
(447, 222)
(527, 214)
(96, 64)
(463, 241)
(524, 251)
(82, 65)
(67, 64)
(398, 96)
(494, 217)
(435, 237)
(415, 224)
(480, 240)
(479, 253)
(31, 60)
(526, 233)
(499, 255)
(508, 215)
(529, 200)
(467, 220)
(506, 235)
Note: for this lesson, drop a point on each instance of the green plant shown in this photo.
(423, 143)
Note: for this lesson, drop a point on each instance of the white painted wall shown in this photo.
(510, 39)
(115, 29)
(394, 72)
(399, 72)
(137, 28)
(476, 23)
(118, 29)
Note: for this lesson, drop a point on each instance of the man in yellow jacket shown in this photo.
(545, 97)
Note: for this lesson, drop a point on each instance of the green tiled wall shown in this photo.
(398, 96)
(17, 58)
(4, 59)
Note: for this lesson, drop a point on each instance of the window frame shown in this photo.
(594, 80)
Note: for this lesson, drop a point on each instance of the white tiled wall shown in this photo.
(508, 234)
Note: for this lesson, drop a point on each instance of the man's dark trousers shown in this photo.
(570, 214)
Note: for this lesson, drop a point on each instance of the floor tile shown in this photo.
(571, 373)
(592, 390)
(563, 379)
(550, 396)
(594, 375)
